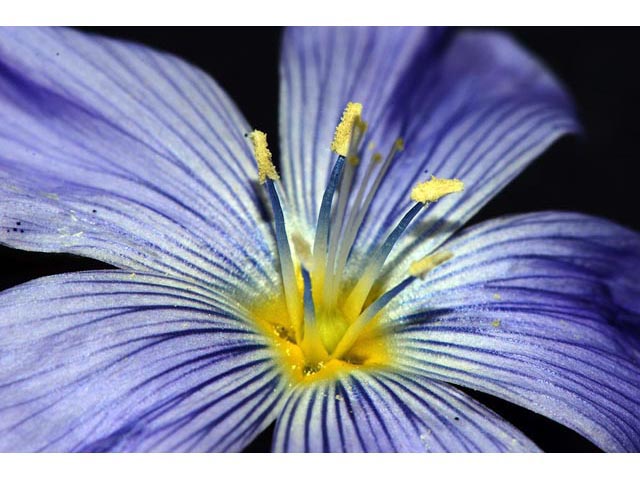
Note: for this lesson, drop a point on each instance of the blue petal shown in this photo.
(471, 105)
(387, 412)
(117, 361)
(542, 310)
(116, 152)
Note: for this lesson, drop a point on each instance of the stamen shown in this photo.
(342, 136)
(330, 283)
(267, 174)
(423, 193)
(417, 270)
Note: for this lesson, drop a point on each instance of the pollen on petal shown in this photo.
(423, 266)
(436, 188)
(266, 168)
(342, 136)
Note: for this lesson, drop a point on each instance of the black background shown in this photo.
(595, 174)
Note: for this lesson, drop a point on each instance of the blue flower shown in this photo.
(349, 309)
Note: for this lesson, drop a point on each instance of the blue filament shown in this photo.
(384, 299)
(324, 216)
(278, 218)
(309, 308)
(393, 237)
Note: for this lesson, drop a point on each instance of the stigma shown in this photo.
(323, 321)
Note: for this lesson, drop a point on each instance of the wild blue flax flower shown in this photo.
(351, 314)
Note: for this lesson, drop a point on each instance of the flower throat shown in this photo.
(323, 323)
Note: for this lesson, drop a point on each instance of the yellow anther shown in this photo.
(423, 266)
(266, 168)
(342, 137)
(434, 189)
(399, 144)
(376, 158)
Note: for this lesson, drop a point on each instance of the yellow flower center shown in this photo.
(303, 362)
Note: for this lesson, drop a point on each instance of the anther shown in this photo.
(266, 168)
(434, 189)
(342, 136)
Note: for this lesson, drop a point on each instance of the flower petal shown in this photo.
(387, 411)
(133, 157)
(471, 105)
(541, 310)
(118, 361)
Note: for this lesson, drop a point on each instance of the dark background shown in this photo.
(597, 174)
